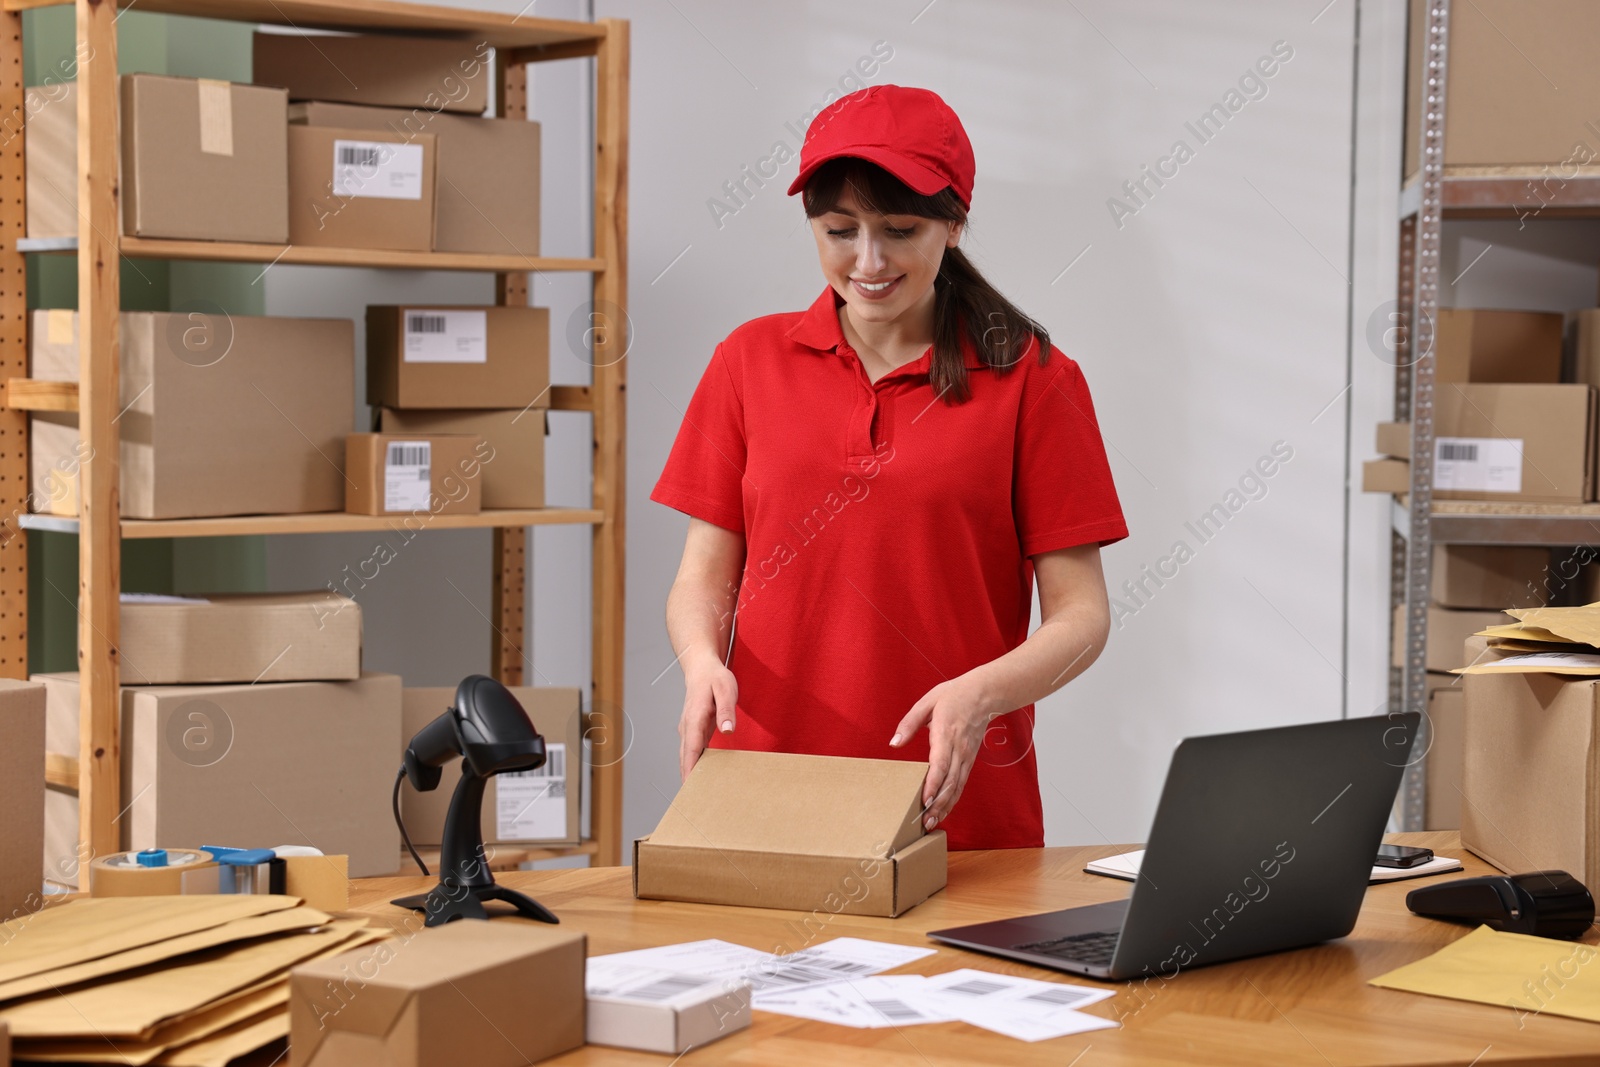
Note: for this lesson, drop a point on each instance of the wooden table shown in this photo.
(1310, 1006)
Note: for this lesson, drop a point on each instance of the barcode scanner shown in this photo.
(488, 730)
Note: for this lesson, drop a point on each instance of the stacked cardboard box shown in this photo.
(22, 749)
(478, 371)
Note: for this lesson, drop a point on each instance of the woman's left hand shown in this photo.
(957, 716)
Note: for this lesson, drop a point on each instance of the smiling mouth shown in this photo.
(874, 288)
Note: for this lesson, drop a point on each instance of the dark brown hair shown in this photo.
(963, 299)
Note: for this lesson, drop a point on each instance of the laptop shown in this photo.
(1263, 841)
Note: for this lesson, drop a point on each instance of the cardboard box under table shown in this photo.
(239, 637)
(487, 174)
(286, 763)
(778, 830)
(221, 414)
(513, 470)
(22, 748)
(526, 807)
(433, 356)
(414, 474)
(385, 70)
(361, 189)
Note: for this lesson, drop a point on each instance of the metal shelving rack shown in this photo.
(100, 246)
(1417, 521)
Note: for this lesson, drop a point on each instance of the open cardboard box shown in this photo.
(778, 830)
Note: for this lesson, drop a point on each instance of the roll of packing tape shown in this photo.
(152, 873)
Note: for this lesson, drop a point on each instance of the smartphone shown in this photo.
(1402, 856)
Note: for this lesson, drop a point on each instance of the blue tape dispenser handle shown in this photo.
(239, 857)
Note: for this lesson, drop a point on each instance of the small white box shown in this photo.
(662, 1011)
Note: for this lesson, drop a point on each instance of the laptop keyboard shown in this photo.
(1097, 947)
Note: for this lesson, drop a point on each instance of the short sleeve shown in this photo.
(705, 469)
(1063, 494)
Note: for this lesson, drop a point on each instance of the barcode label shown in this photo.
(1062, 995)
(442, 335)
(1478, 464)
(976, 987)
(531, 805)
(382, 170)
(407, 475)
(669, 987)
(895, 1011)
(425, 323)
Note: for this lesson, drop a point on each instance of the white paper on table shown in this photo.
(864, 1003)
(1023, 1008)
(831, 961)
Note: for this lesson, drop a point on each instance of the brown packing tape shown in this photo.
(188, 871)
(216, 117)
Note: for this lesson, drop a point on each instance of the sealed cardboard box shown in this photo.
(1386, 476)
(204, 159)
(513, 471)
(488, 172)
(1521, 76)
(377, 69)
(239, 637)
(1514, 442)
(414, 474)
(361, 189)
(1448, 631)
(1490, 576)
(779, 830)
(302, 763)
(22, 751)
(540, 806)
(1529, 776)
(221, 414)
(51, 159)
(1479, 345)
(1394, 439)
(1446, 751)
(433, 356)
(662, 1011)
(490, 994)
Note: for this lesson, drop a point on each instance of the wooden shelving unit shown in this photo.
(100, 529)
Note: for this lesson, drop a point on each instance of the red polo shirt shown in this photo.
(888, 538)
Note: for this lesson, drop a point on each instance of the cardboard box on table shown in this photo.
(487, 173)
(436, 356)
(240, 637)
(287, 763)
(22, 749)
(528, 807)
(383, 70)
(221, 414)
(1514, 442)
(778, 830)
(1531, 771)
(361, 189)
(489, 994)
(513, 476)
(1492, 576)
(414, 474)
(1448, 631)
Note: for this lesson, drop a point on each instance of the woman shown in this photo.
(873, 485)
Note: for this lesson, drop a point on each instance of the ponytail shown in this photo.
(964, 303)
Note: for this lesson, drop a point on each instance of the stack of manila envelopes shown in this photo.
(1544, 641)
(182, 981)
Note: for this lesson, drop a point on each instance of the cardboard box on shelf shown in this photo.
(779, 830)
(378, 69)
(240, 637)
(1386, 476)
(1480, 345)
(205, 160)
(22, 751)
(513, 473)
(438, 356)
(1514, 442)
(1448, 631)
(488, 172)
(221, 414)
(1446, 751)
(361, 189)
(1394, 439)
(492, 994)
(1528, 777)
(303, 763)
(1586, 346)
(51, 159)
(1503, 104)
(1492, 576)
(539, 807)
(414, 474)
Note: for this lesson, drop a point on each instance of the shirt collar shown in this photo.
(819, 329)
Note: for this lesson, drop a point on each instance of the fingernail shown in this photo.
(894, 741)
(727, 727)
(929, 822)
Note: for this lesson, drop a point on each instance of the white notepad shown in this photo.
(1126, 867)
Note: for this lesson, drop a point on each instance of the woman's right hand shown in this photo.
(710, 692)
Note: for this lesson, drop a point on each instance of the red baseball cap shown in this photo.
(909, 132)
